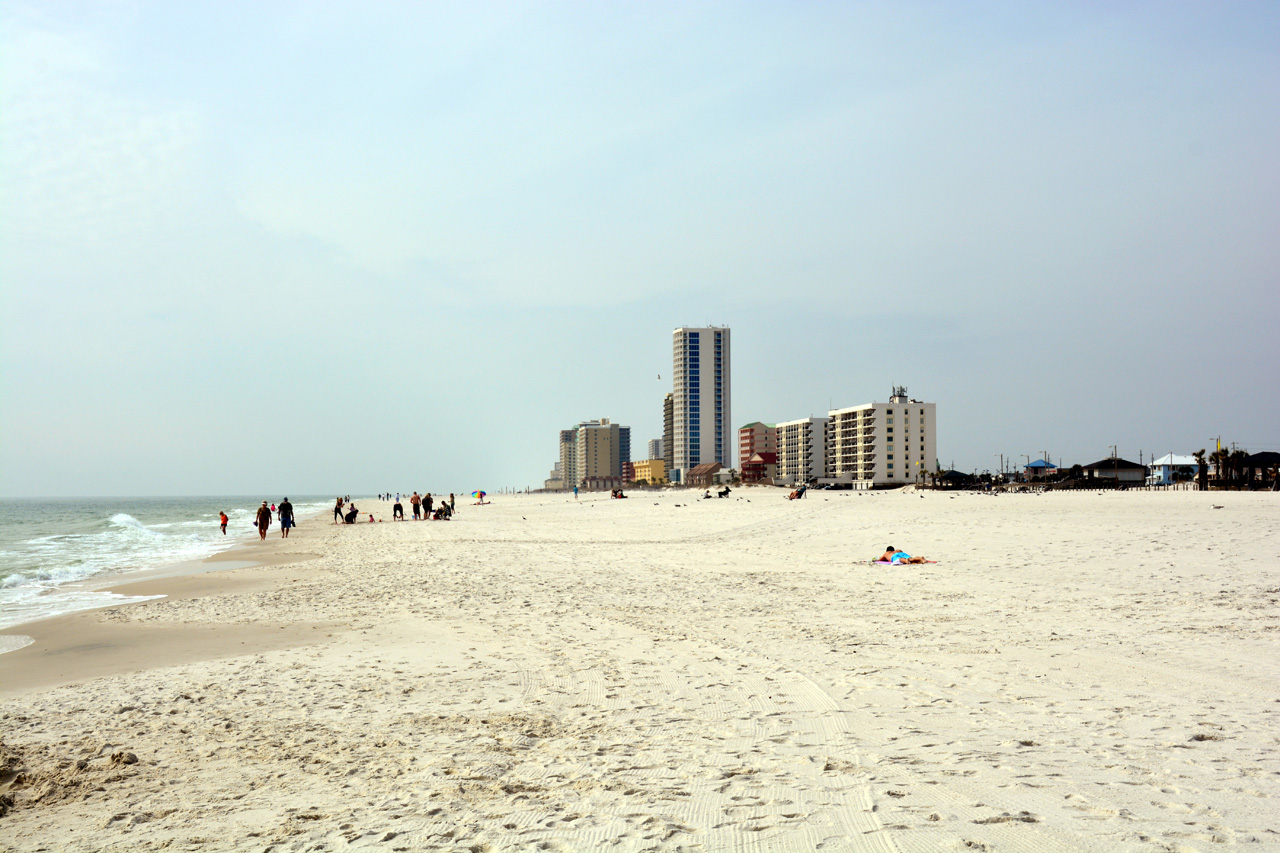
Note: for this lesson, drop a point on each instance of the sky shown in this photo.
(334, 247)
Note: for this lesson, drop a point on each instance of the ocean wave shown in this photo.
(65, 542)
(127, 522)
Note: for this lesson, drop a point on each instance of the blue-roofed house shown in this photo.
(1171, 468)
(1040, 468)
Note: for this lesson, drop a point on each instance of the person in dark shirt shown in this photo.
(285, 511)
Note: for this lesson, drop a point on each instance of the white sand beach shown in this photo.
(1077, 672)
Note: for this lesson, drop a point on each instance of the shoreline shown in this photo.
(108, 582)
(68, 647)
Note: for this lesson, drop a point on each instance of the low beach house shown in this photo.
(760, 468)
(1171, 468)
(705, 475)
(1117, 471)
(1040, 468)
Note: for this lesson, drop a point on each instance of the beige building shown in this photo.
(652, 471)
(568, 466)
(598, 450)
(802, 448)
(593, 450)
(882, 444)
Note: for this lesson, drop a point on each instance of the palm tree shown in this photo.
(1202, 471)
(1236, 460)
(1218, 459)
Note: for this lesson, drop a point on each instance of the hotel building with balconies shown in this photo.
(802, 450)
(876, 445)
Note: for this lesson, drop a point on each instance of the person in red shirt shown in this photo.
(222, 519)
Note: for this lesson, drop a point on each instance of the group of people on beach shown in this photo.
(345, 512)
(424, 507)
(262, 520)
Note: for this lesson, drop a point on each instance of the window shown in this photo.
(889, 429)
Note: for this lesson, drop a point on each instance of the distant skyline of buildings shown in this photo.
(865, 446)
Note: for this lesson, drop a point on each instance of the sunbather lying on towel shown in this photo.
(893, 555)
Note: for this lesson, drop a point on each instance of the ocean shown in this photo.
(49, 544)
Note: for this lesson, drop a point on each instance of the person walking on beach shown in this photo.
(337, 510)
(222, 519)
(427, 503)
(575, 493)
(264, 520)
(415, 500)
(286, 518)
(452, 501)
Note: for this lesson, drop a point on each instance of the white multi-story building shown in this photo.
(655, 448)
(882, 444)
(700, 412)
(802, 450)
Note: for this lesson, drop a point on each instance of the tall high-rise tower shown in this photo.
(700, 365)
(668, 431)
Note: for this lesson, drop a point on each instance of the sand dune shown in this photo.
(1078, 672)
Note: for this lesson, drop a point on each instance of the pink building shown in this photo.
(756, 438)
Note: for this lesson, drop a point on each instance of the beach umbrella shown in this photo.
(478, 495)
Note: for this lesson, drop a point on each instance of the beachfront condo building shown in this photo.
(568, 465)
(594, 452)
(668, 429)
(700, 399)
(599, 446)
(882, 444)
(652, 471)
(756, 437)
(802, 446)
(655, 448)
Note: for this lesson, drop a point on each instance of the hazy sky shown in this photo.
(346, 247)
